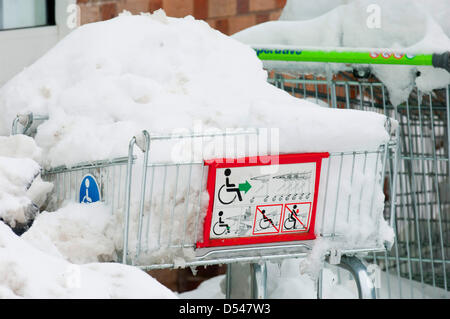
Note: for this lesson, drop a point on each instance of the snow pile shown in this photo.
(76, 232)
(19, 146)
(36, 266)
(107, 81)
(26, 272)
(411, 26)
(21, 189)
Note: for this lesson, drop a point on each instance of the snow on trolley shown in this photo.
(188, 211)
(417, 264)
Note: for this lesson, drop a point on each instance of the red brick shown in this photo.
(155, 5)
(108, 11)
(211, 22)
(89, 13)
(275, 15)
(222, 8)
(281, 4)
(222, 25)
(201, 9)
(134, 6)
(262, 5)
(242, 6)
(263, 17)
(178, 8)
(238, 23)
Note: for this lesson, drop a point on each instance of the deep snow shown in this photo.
(171, 74)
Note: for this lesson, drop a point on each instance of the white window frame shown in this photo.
(21, 47)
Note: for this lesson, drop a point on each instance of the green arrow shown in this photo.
(245, 187)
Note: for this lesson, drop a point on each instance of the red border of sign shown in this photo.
(259, 161)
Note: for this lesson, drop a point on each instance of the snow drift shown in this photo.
(34, 274)
(22, 190)
(107, 81)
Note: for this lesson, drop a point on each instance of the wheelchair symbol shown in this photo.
(224, 195)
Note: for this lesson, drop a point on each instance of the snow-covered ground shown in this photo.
(21, 188)
(26, 272)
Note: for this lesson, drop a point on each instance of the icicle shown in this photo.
(194, 270)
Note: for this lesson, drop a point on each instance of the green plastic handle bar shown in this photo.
(380, 56)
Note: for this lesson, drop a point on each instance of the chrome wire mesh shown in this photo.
(422, 207)
(163, 203)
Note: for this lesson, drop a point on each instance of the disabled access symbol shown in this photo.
(89, 190)
(223, 194)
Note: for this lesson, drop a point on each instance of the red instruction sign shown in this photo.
(254, 201)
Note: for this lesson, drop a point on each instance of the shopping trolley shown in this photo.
(418, 262)
(170, 220)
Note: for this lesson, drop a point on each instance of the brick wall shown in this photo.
(227, 16)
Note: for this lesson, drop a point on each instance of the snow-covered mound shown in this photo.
(21, 189)
(78, 233)
(106, 81)
(26, 272)
(410, 25)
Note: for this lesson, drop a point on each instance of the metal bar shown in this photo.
(174, 204)
(142, 197)
(258, 280)
(246, 259)
(128, 199)
(365, 286)
(436, 185)
(430, 241)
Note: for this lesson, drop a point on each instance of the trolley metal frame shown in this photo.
(121, 181)
(420, 215)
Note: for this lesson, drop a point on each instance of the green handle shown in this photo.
(381, 56)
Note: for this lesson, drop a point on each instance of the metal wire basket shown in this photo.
(420, 215)
(163, 203)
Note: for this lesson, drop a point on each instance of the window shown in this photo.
(16, 14)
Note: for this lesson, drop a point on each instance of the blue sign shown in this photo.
(89, 190)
